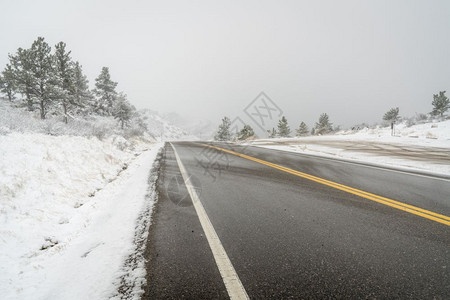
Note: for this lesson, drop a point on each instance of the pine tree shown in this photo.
(302, 130)
(313, 131)
(283, 127)
(43, 75)
(440, 104)
(323, 126)
(223, 133)
(21, 64)
(34, 75)
(7, 82)
(245, 132)
(83, 97)
(105, 90)
(272, 133)
(392, 115)
(123, 110)
(65, 78)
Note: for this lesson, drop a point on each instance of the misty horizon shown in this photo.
(353, 60)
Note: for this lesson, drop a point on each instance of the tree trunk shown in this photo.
(65, 111)
(29, 102)
(42, 99)
(41, 106)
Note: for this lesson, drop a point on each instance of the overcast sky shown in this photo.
(205, 59)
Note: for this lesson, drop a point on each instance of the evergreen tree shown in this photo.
(223, 133)
(7, 82)
(323, 126)
(272, 133)
(43, 75)
(123, 110)
(283, 127)
(313, 131)
(392, 115)
(21, 64)
(34, 75)
(65, 79)
(302, 130)
(82, 96)
(440, 104)
(105, 90)
(246, 132)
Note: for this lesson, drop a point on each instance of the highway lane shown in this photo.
(290, 237)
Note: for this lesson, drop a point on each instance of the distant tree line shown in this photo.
(323, 126)
(440, 103)
(51, 82)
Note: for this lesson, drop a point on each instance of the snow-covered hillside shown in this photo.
(17, 119)
(201, 128)
(68, 212)
(71, 200)
(160, 128)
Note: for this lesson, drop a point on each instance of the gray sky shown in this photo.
(205, 59)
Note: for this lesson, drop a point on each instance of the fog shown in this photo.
(205, 59)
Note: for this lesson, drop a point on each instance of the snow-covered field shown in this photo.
(69, 212)
(378, 146)
(436, 134)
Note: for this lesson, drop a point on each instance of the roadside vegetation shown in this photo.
(440, 103)
(48, 84)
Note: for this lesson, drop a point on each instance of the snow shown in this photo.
(197, 129)
(70, 208)
(159, 127)
(415, 140)
(435, 134)
(14, 118)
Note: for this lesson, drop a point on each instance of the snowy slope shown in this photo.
(72, 199)
(201, 128)
(18, 119)
(68, 212)
(160, 128)
(435, 134)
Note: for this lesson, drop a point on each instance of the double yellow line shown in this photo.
(383, 200)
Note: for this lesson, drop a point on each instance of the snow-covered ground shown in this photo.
(162, 129)
(70, 208)
(424, 147)
(14, 118)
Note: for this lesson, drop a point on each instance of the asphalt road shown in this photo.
(289, 237)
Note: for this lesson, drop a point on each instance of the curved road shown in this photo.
(296, 226)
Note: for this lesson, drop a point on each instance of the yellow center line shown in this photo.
(383, 200)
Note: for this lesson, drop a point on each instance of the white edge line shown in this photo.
(230, 278)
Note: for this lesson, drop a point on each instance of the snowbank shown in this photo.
(435, 134)
(377, 146)
(68, 211)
